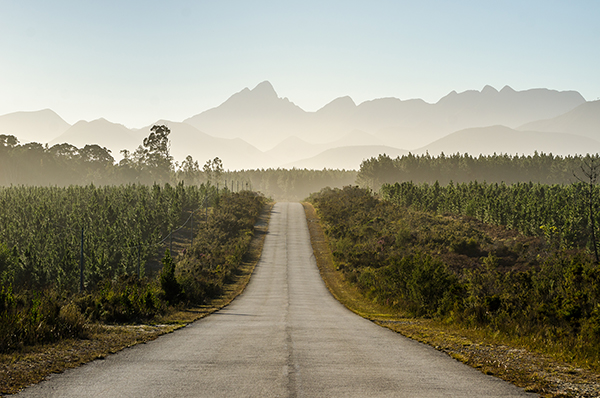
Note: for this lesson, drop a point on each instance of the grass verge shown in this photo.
(32, 364)
(505, 359)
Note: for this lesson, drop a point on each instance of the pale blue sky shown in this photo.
(134, 62)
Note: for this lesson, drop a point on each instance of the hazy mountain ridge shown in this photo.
(583, 120)
(504, 140)
(399, 123)
(293, 149)
(40, 126)
(343, 133)
(102, 132)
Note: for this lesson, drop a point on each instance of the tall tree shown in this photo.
(189, 170)
(213, 169)
(590, 170)
(155, 153)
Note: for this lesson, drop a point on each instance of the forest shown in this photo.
(464, 168)
(34, 164)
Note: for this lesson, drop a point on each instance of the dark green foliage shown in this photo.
(42, 228)
(375, 246)
(126, 299)
(461, 270)
(171, 289)
(556, 212)
(219, 248)
(30, 317)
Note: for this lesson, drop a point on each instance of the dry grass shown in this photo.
(33, 364)
(507, 360)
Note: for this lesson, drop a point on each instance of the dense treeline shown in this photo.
(538, 168)
(35, 164)
(460, 270)
(40, 241)
(62, 165)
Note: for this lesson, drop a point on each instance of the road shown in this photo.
(285, 336)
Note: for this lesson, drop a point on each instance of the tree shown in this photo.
(377, 171)
(171, 288)
(155, 153)
(65, 151)
(590, 170)
(9, 141)
(213, 169)
(189, 170)
(97, 154)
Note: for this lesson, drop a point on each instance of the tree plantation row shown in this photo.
(41, 235)
(558, 213)
(42, 248)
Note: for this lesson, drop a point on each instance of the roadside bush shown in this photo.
(219, 248)
(172, 292)
(125, 300)
(37, 317)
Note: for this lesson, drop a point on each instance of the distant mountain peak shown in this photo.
(489, 90)
(340, 104)
(507, 89)
(346, 100)
(262, 92)
(264, 89)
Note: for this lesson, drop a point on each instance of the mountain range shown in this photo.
(255, 128)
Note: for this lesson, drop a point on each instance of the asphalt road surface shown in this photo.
(285, 336)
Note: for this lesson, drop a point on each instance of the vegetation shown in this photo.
(62, 165)
(461, 271)
(219, 247)
(41, 234)
(538, 168)
(557, 213)
(40, 243)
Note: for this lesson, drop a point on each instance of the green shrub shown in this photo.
(172, 291)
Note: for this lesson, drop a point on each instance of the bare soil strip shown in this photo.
(33, 364)
(532, 371)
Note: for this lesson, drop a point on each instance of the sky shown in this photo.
(135, 62)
